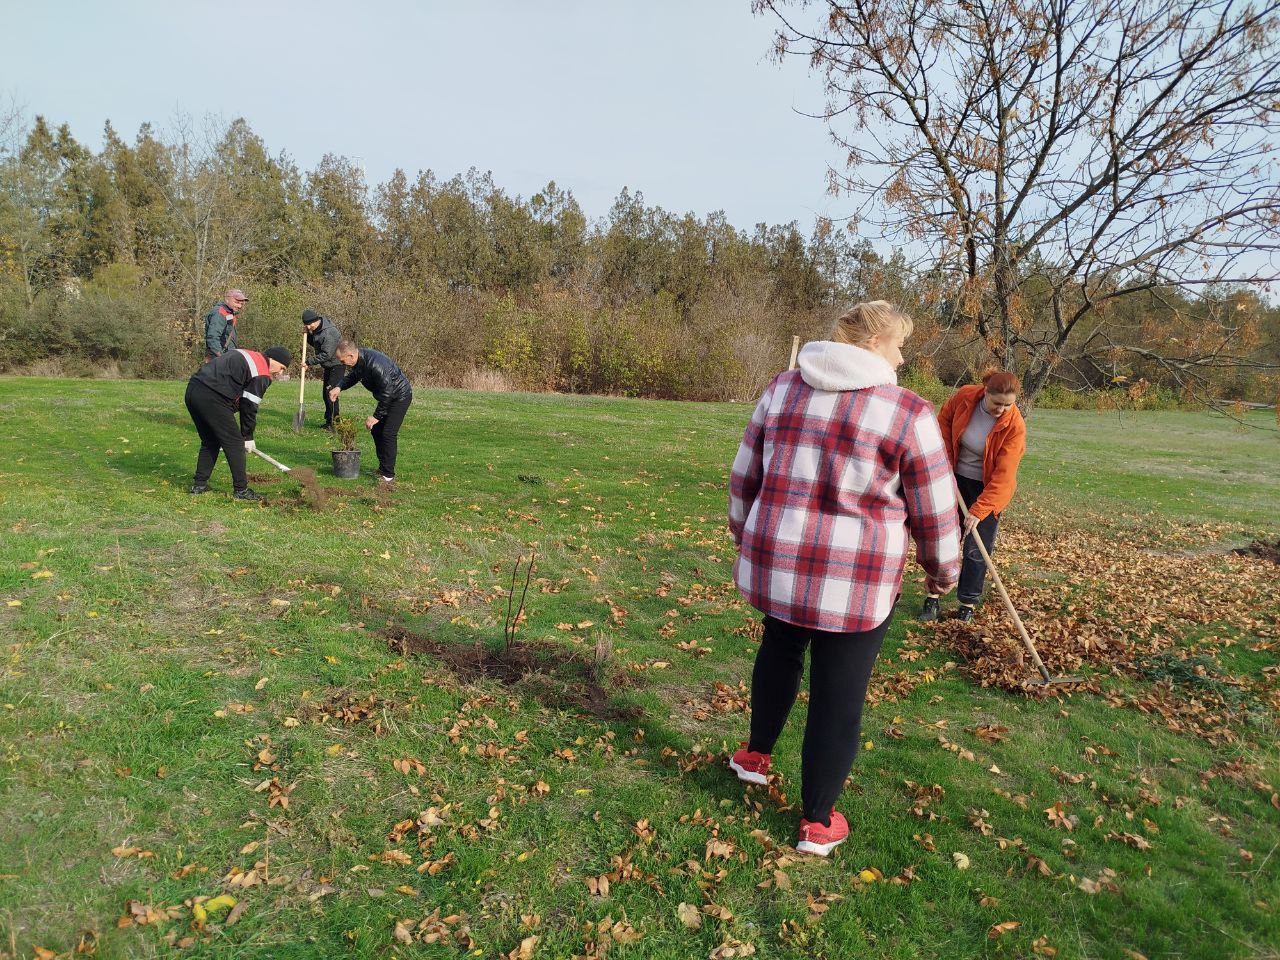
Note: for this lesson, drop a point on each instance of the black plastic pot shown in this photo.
(346, 464)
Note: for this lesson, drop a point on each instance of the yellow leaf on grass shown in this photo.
(41, 574)
(218, 904)
(15, 603)
(961, 861)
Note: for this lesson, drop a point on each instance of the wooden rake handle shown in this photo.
(1004, 594)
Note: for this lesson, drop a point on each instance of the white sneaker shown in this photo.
(386, 479)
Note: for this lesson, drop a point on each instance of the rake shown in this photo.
(1046, 680)
(302, 386)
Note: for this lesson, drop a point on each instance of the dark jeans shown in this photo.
(331, 377)
(838, 677)
(384, 435)
(215, 421)
(973, 571)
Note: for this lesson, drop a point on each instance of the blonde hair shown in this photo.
(865, 321)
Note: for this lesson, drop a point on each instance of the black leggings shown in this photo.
(838, 682)
(973, 570)
(385, 432)
(331, 377)
(215, 421)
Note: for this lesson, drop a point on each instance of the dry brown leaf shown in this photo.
(689, 916)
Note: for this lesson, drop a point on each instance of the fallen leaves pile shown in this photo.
(1109, 603)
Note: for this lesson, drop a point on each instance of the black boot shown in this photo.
(199, 488)
(247, 494)
(930, 611)
(965, 613)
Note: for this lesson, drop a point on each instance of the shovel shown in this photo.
(1045, 679)
(272, 460)
(302, 386)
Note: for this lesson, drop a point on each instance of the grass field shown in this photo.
(199, 698)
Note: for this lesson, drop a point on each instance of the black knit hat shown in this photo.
(280, 355)
(309, 317)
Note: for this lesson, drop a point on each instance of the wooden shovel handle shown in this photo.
(1004, 594)
(302, 379)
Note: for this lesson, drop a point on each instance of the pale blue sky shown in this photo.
(677, 99)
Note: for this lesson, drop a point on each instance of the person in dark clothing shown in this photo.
(379, 375)
(237, 380)
(323, 337)
(220, 324)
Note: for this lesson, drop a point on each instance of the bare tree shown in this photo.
(215, 226)
(1050, 158)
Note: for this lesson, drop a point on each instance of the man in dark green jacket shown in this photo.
(323, 336)
(220, 324)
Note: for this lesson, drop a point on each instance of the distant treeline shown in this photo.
(109, 259)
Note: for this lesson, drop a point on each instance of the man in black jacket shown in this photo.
(389, 386)
(220, 324)
(234, 381)
(323, 337)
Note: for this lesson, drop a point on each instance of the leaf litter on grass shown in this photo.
(1122, 605)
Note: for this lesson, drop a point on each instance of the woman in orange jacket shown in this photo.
(985, 437)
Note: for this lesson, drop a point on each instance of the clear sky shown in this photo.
(676, 98)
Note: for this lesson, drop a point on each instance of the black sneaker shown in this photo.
(248, 494)
(199, 488)
(930, 611)
(966, 613)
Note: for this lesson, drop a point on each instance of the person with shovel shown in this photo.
(389, 386)
(985, 436)
(235, 381)
(838, 468)
(323, 336)
(220, 324)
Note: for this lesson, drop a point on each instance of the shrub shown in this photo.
(344, 432)
(925, 383)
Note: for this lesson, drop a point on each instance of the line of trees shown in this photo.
(109, 259)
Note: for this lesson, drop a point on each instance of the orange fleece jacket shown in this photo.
(1006, 443)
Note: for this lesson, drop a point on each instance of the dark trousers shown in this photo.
(973, 570)
(384, 435)
(331, 377)
(838, 677)
(215, 421)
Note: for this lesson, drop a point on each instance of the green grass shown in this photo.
(125, 672)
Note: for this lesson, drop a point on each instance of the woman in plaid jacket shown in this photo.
(838, 468)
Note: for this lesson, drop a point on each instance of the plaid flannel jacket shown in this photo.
(828, 484)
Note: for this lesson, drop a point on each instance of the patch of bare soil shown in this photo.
(555, 676)
(1262, 550)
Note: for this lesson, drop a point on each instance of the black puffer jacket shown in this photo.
(379, 375)
(324, 342)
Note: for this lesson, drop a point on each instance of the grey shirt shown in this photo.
(973, 442)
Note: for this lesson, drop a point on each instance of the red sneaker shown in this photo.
(820, 840)
(750, 766)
